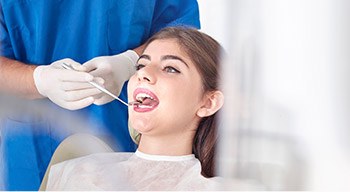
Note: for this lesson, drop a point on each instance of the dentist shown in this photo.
(106, 37)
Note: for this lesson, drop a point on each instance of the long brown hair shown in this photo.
(204, 52)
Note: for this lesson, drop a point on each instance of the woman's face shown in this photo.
(168, 75)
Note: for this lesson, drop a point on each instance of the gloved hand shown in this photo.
(114, 70)
(67, 88)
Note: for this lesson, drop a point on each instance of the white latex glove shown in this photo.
(114, 70)
(67, 88)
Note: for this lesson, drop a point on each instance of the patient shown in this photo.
(177, 83)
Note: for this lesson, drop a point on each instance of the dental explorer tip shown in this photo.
(134, 103)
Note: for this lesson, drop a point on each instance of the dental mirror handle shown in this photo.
(66, 66)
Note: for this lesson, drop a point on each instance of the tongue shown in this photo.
(149, 102)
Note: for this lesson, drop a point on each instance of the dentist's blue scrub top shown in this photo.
(42, 31)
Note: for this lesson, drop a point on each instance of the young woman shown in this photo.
(177, 83)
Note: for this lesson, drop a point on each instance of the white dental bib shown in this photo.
(129, 171)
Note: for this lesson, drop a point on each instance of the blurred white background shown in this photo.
(286, 118)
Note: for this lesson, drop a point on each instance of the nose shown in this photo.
(147, 74)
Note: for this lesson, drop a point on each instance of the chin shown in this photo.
(141, 125)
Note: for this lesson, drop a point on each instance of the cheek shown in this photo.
(182, 97)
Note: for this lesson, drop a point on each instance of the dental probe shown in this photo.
(66, 66)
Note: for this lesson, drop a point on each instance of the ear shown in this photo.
(213, 101)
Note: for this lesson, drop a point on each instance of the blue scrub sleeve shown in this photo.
(169, 13)
(5, 43)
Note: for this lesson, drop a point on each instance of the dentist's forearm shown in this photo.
(16, 78)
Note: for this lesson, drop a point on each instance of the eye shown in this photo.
(171, 69)
(139, 66)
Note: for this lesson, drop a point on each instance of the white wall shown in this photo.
(213, 19)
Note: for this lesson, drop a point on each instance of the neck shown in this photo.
(170, 144)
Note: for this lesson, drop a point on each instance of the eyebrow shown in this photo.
(165, 57)
(144, 57)
(173, 57)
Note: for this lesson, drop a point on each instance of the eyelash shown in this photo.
(168, 69)
(139, 66)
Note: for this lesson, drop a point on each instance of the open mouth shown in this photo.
(146, 98)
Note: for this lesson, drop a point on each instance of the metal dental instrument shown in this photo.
(66, 66)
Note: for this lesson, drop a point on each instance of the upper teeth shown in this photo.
(142, 96)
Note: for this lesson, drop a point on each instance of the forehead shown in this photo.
(165, 47)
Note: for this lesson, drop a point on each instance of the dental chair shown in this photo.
(73, 147)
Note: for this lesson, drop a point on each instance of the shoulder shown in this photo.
(220, 183)
(88, 163)
(97, 159)
(81, 169)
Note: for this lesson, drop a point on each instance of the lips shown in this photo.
(148, 99)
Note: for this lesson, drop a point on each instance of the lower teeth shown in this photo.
(144, 106)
